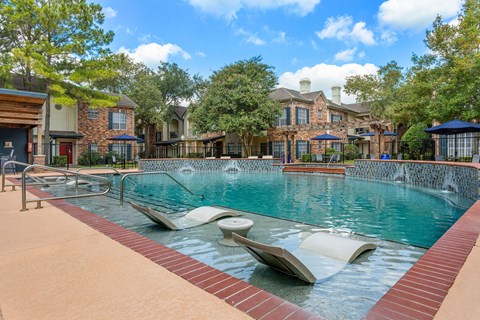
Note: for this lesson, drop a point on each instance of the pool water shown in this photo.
(389, 211)
(400, 220)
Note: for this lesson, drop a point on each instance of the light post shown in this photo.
(182, 137)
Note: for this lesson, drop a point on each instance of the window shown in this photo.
(240, 149)
(278, 149)
(460, 145)
(230, 148)
(319, 115)
(284, 119)
(173, 135)
(336, 118)
(117, 120)
(337, 146)
(302, 148)
(302, 115)
(158, 136)
(92, 114)
(361, 130)
(93, 147)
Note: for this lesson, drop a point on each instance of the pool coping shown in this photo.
(254, 302)
(417, 295)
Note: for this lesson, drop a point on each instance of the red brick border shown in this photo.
(255, 302)
(421, 291)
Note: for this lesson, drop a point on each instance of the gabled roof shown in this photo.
(180, 111)
(124, 101)
(284, 94)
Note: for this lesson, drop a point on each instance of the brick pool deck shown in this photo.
(80, 266)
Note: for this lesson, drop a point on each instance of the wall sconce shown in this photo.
(8, 144)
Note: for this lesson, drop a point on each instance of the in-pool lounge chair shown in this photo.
(196, 217)
(319, 256)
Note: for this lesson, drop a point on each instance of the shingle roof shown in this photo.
(180, 111)
(124, 101)
(283, 94)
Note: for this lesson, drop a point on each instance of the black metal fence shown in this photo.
(68, 154)
(126, 154)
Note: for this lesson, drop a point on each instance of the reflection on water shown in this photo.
(347, 295)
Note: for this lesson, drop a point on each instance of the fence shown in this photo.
(70, 153)
(451, 148)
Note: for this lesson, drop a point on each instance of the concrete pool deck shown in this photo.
(54, 266)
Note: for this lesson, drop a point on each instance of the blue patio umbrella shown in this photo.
(326, 137)
(454, 127)
(125, 138)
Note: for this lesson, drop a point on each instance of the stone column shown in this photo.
(39, 159)
(293, 151)
(286, 148)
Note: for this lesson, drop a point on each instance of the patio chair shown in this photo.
(439, 157)
(194, 218)
(267, 157)
(319, 157)
(400, 156)
(225, 157)
(476, 158)
(319, 256)
(313, 157)
(252, 157)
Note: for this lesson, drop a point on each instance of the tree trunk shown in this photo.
(246, 143)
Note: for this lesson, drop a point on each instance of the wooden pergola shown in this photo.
(22, 109)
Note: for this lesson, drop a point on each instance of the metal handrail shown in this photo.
(108, 168)
(150, 173)
(13, 185)
(47, 168)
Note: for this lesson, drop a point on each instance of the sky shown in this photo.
(323, 40)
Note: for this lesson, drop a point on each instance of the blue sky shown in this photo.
(324, 40)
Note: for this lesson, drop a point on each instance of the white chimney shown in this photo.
(305, 85)
(337, 94)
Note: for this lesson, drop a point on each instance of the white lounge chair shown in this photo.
(267, 157)
(319, 256)
(194, 218)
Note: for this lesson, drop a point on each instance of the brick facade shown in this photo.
(97, 130)
(320, 104)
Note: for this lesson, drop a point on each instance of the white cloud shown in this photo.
(345, 55)
(324, 76)
(361, 33)
(416, 14)
(336, 28)
(109, 12)
(341, 28)
(229, 9)
(200, 54)
(153, 53)
(388, 37)
(250, 37)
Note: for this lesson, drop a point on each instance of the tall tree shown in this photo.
(380, 91)
(455, 64)
(237, 101)
(60, 44)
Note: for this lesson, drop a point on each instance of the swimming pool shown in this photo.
(303, 198)
(390, 211)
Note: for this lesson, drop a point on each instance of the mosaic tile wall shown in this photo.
(462, 180)
(206, 165)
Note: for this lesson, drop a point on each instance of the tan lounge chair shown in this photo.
(194, 218)
(319, 256)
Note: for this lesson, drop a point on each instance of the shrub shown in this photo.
(60, 161)
(89, 158)
(306, 157)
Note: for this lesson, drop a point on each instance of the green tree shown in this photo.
(413, 139)
(58, 47)
(446, 79)
(237, 101)
(381, 91)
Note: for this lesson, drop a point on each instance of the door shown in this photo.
(66, 150)
(218, 149)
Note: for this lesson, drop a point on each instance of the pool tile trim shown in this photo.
(255, 302)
